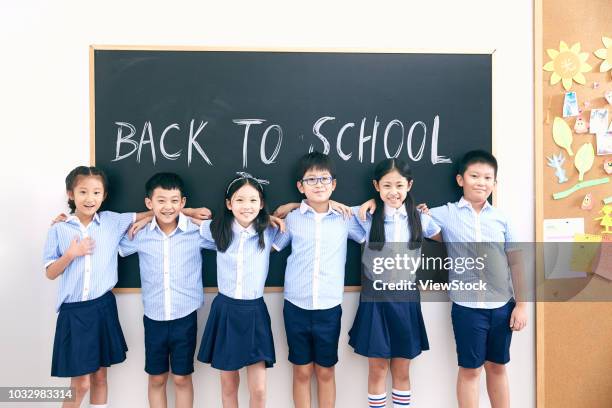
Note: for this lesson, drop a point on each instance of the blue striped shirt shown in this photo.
(170, 268)
(242, 269)
(462, 227)
(314, 277)
(90, 276)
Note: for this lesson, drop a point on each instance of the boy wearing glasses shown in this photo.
(314, 280)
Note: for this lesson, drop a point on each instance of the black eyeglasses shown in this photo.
(313, 181)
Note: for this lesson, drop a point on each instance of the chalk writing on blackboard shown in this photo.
(395, 140)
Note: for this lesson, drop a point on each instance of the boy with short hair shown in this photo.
(169, 252)
(314, 280)
(482, 323)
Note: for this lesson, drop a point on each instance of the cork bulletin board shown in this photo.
(574, 337)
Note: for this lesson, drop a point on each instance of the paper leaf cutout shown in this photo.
(562, 135)
(584, 159)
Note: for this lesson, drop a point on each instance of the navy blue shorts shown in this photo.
(170, 343)
(238, 333)
(312, 335)
(482, 334)
(389, 330)
(87, 336)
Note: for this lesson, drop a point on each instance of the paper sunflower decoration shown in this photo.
(605, 54)
(567, 65)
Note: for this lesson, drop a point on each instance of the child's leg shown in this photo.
(301, 384)
(377, 375)
(400, 374)
(256, 377)
(497, 385)
(326, 386)
(80, 386)
(468, 381)
(230, 380)
(183, 388)
(157, 390)
(99, 387)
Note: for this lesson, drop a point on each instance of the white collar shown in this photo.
(305, 207)
(182, 223)
(465, 203)
(239, 229)
(75, 220)
(390, 211)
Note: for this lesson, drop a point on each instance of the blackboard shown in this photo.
(188, 111)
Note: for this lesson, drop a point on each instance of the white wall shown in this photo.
(44, 106)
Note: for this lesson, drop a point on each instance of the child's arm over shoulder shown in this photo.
(121, 222)
(206, 239)
(283, 210)
(356, 210)
(356, 231)
(129, 244)
(430, 228)
(282, 239)
(55, 262)
(440, 215)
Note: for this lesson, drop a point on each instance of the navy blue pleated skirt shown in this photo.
(238, 333)
(389, 330)
(87, 336)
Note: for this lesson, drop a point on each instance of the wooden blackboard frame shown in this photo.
(92, 120)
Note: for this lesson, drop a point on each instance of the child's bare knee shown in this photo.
(303, 373)
(324, 374)
(378, 368)
(158, 381)
(98, 379)
(182, 381)
(470, 373)
(81, 384)
(258, 392)
(494, 368)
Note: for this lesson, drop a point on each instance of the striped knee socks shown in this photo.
(377, 400)
(401, 399)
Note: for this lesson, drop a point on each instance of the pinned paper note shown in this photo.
(606, 219)
(584, 159)
(581, 126)
(604, 143)
(567, 64)
(599, 121)
(556, 162)
(605, 54)
(557, 259)
(584, 252)
(570, 105)
(562, 135)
